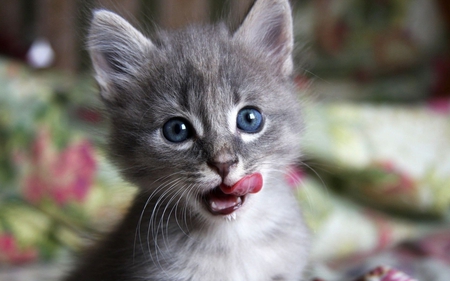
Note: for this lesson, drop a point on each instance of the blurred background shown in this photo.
(63, 24)
(374, 78)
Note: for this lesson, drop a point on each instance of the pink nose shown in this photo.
(223, 168)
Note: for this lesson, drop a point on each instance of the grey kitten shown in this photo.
(205, 122)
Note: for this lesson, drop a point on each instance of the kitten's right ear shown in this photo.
(268, 28)
(117, 50)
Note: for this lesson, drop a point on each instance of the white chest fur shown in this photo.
(266, 241)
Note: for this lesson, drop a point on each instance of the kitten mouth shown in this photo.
(224, 200)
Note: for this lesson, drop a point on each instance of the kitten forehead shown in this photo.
(200, 74)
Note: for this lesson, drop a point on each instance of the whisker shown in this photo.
(165, 182)
(152, 220)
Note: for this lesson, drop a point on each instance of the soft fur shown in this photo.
(204, 74)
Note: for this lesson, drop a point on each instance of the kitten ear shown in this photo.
(268, 27)
(117, 50)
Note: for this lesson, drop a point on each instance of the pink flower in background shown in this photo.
(385, 273)
(440, 105)
(302, 82)
(437, 245)
(386, 235)
(74, 170)
(295, 176)
(35, 188)
(61, 176)
(403, 182)
(11, 253)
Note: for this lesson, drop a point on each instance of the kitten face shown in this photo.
(200, 117)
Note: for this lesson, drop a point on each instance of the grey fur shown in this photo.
(204, 74)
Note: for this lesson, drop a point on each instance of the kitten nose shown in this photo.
(223, 168)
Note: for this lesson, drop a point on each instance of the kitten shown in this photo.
(205, 122)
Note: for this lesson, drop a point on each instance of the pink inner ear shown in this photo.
(249, 184)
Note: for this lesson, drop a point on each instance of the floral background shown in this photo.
(374, 183)
(56, 187)
(58, 191)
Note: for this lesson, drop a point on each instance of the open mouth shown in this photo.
(224, 200)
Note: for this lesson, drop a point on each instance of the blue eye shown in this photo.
(177, 130)
(249, 120)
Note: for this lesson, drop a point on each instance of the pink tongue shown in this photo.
(227, 199)
(248, 184)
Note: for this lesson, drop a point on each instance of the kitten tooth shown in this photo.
(230, 217)
(213, 205)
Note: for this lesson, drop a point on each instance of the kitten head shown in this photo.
(200, 115)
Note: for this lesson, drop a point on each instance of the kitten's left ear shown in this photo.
(268, 27)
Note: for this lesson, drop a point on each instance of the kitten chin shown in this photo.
(205, 122)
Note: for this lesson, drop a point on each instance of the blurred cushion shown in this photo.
(393, 157)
